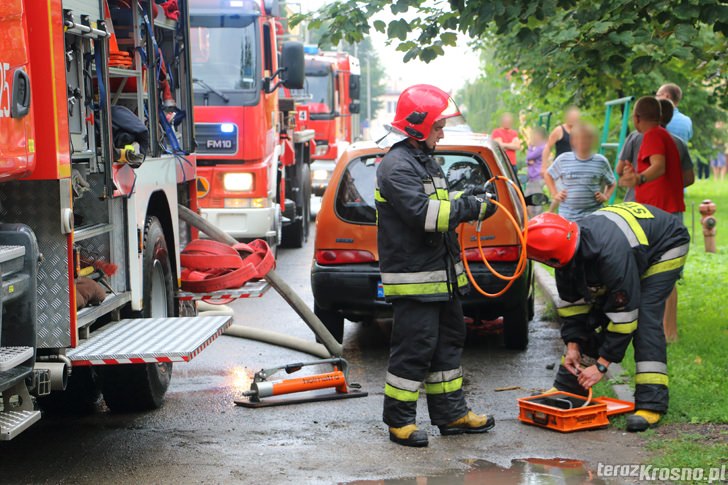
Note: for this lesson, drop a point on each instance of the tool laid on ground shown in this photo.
(566, 412)
(337, 380)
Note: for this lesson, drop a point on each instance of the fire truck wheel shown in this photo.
(306, 177)
(140, 387)
(515, 327)
(295, 234)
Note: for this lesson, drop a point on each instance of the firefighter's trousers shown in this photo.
(427, 344)
(650, 348)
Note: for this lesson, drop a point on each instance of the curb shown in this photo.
(547, 283)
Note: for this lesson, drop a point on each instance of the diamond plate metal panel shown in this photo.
(37, 204)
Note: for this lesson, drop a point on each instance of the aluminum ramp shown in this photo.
(149, 340)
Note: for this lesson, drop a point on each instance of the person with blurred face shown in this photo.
(507, 137)
(586, 178)
(422, 274)
(680, 124)
(534, 160)
(560, 137)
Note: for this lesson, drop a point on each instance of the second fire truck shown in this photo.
(330, 106)
(253, 164)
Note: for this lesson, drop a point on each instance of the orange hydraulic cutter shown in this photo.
(261, 387)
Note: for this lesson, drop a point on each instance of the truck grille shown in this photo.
(216, 138)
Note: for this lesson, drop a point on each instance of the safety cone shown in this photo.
(117, 57)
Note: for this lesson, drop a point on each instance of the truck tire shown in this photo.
(141, 387)
(333, 321)
(515, 326)
(295, 234)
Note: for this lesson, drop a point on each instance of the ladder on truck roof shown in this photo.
(604, 143)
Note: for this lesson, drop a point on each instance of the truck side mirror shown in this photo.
(292, 65)
(355, 107)
(355, 87)
(20, 102)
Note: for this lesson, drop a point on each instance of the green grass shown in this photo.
(689, 449)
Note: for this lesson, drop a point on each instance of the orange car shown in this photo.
(345, 272)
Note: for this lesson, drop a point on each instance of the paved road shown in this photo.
(200, 436)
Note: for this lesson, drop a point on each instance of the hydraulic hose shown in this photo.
(522, 234)
(262, 335)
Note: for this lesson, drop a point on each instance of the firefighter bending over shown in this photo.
(422, 274)
(615, 269)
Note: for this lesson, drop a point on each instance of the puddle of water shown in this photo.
(523, 471)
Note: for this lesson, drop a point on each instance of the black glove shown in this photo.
(487, 207)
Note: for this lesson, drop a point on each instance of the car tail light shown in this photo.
(493, 253)
(343, 256)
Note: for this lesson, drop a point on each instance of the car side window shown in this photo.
(462, 170)
(355, 194)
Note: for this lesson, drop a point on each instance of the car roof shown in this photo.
(451, 139)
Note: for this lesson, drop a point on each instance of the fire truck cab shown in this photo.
(96, 142)
(331, 98)
(253, 166)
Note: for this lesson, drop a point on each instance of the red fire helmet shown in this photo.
(552, 240)
(420, 106)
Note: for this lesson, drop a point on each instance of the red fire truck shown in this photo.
(331, 99)
(95, 142)
(253, 167)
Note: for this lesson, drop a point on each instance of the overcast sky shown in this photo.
(449, 72)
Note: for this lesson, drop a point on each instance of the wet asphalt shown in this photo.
(201, 436)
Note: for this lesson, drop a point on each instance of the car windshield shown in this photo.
(318, 94)
(355, 195)
(224, 52)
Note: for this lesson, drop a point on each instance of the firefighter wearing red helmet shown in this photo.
(615, 269)
(421, 270)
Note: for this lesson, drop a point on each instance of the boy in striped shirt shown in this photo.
(585, 179)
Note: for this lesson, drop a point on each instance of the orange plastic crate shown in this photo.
(551, 411)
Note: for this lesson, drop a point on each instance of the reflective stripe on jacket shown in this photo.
(419, 255)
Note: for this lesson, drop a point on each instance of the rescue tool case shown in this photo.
(563, 411)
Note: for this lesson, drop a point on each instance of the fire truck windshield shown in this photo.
(319, 95)
(225, 54)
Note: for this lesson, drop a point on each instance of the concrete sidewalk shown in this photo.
(547, 283)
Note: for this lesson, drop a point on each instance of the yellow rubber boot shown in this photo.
(642, 420)
(408, 435)
(470, 423)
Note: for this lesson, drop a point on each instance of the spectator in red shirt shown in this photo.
(507, 137)
(658, 180)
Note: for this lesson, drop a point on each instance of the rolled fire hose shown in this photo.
(333, 347)
(522, 234)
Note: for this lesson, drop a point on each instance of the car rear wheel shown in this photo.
(515, 326)
(333, 321)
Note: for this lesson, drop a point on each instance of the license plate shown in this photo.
(380, 291)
